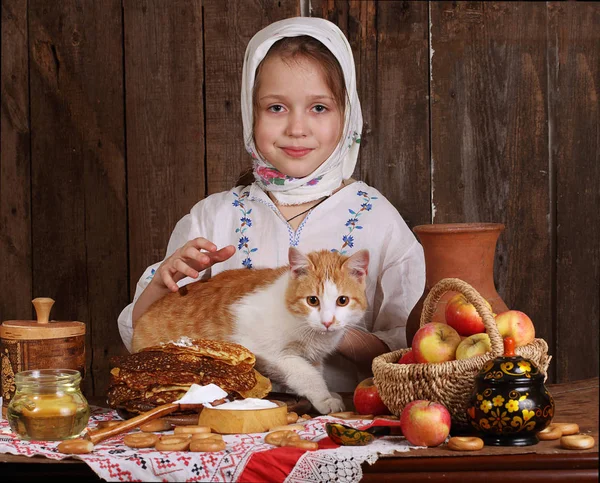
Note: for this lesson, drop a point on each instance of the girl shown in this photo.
(302, 124)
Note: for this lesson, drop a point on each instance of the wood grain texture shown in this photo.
(389, 42)
(163, 51)
(574, 78)
(78, 170)
(15, 165)
(228, 27)
(490, 139)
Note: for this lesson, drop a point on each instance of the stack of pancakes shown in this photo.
(163, 374)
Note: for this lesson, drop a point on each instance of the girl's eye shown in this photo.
(342, 301)
(276, 108)
(319, 108)
(312, 301)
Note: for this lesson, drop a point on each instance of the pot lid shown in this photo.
(42, 328)
(509, 368)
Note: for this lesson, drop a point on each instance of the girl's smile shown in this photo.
(298, 124)
(296, 152)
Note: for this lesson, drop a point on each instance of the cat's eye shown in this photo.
(312, 301)
(342, 301)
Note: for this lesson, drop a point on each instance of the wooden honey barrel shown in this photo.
(39, 344)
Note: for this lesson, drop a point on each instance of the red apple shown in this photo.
(425, 423)
(408, 358)
(474, 345)
(367, 400)
(517, 325)
(462, 316)
(435, 342)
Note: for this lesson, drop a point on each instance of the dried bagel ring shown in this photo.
(567, 428)
(207, 445)
(75, 446)
(550, 433)
(204, 436)
(174, 442)
(278, 437)
(465, 443)
(577, 441)
(191, 429)
(140, 440)
(156, 425)
(288, 427)
(302, 444)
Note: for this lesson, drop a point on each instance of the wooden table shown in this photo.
(545, 462)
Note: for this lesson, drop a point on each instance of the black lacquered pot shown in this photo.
(510, 404)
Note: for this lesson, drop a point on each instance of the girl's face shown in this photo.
(298, 125)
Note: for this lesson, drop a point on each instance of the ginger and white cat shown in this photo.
(290, 317)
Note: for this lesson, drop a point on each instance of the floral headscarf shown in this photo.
(340, 165)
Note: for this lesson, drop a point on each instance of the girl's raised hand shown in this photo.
(189, 261)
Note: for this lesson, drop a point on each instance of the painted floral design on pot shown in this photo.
(510, 404)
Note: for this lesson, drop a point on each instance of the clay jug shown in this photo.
(457, 250)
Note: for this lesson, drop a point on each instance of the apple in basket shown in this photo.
(435, 342)
(367, 399)
(408, 358)
(474, 345)
(462, 316)
(517, 325)
(425, 423)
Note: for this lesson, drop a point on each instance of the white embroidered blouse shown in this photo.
(356, 217)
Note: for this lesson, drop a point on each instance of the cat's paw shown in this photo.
(332, 404)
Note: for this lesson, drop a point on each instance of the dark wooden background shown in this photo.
(118, 115)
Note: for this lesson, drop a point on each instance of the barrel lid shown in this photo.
(41, 328)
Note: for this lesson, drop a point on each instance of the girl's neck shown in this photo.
(295, 214)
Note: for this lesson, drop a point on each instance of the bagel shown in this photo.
(568, 428)
(156, 425)
(191, 429)
(550, 433)
(577, 441)
(465, 443)
(140, 440)
(76, 446)
(203, 436)
(174, 442)
(207, 445)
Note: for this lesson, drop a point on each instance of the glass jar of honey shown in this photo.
(48, 405)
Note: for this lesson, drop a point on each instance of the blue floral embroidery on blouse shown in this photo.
(246, 222)
(352, 223)
(151, 276)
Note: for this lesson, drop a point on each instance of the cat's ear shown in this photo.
(358, 264)
(299, 262)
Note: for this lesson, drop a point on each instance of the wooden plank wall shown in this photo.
(117, 116)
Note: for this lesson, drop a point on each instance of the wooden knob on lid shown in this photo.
(42, 305)
(509, 347)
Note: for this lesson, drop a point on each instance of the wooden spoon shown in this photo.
(101, 434)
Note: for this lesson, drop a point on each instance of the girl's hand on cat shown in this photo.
(189, 261)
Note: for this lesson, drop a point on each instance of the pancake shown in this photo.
(227, 352)
(142, 379)
(148, 361)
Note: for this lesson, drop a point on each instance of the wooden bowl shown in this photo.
(237, 421)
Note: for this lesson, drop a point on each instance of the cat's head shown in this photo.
(327, 289)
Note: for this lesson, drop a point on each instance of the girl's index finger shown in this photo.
(203, 244)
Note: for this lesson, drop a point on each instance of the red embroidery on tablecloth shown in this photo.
(115, 471)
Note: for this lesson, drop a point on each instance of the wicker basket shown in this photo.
(450, 383)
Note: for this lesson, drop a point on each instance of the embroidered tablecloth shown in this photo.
(247, 457)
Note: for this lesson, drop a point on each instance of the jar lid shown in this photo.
(509, 368)
(41, 328)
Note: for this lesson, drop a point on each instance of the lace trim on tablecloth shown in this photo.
(343, 464)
